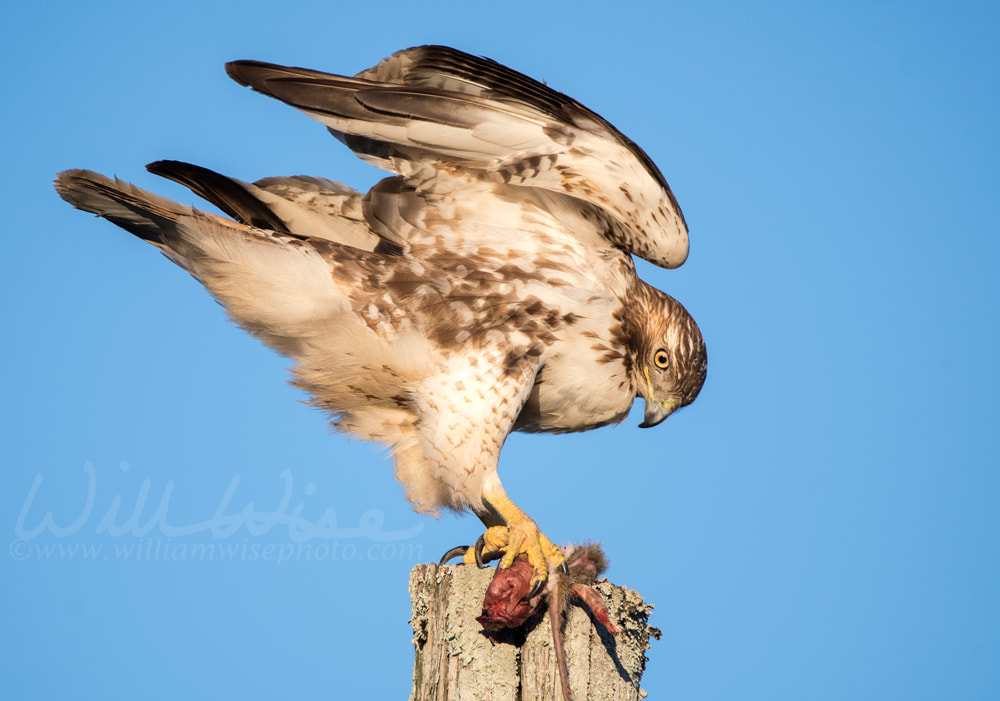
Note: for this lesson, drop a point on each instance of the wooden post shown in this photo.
(456, 660)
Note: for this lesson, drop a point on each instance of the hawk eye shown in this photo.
(662, 359)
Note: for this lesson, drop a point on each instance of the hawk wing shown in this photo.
(437, 107)
(299, 205)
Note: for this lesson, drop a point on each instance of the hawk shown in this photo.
(486, 287)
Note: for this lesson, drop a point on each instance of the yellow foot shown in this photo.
(519, 537)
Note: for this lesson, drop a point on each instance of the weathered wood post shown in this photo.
(455, 660)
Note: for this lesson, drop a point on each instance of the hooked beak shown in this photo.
(656, 412)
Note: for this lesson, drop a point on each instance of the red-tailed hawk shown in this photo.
(487, 287)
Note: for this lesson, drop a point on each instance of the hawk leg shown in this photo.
(518, 536)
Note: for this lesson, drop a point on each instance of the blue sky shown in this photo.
(822, 523)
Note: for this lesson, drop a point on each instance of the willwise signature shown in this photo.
(117, 520)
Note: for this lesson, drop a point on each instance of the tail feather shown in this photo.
(141, 213)
(276, 285)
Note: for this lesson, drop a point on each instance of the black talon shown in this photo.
(564, 568)
(457, 551)
(536, 589)
(478, 552)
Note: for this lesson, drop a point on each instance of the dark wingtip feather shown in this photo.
(241, 71)
(257, 74)
(227, 194)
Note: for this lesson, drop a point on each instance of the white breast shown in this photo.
(581, 386)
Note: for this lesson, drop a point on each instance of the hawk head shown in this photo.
(670, 360)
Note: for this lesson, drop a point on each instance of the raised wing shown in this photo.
(299, 205)
(439, 107)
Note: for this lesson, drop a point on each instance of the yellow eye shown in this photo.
(662, 359)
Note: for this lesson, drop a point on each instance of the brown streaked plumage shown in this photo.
(486, 287)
